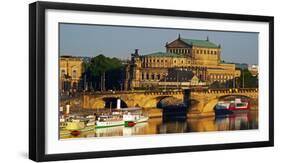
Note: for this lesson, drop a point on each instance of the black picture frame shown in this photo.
(37, 81)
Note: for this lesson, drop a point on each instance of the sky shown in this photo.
(121, 41)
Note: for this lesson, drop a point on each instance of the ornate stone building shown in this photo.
(70, 72)
(201, 57)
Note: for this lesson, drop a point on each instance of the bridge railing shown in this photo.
(178, 91)
(227, 90)
(136, 92)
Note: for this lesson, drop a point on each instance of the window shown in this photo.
(62, 72)
(158, 76)
(197, 52)
(204, 51)
(201, 51)
(215, 52)
(152, 76)
(142, 76)
(147, 76)
(74, 74)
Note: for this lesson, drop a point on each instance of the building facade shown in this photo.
(201, 57)
(70, 72)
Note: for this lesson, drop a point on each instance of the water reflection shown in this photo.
(237, 121)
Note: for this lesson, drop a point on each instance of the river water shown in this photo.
(237, 121)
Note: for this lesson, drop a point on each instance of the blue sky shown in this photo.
(120, 42)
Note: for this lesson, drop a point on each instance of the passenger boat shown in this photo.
(75, 125)
(222, 108)
(133, 117)
(109, 121)
(127, 117)
(239, 104)
(228, 107)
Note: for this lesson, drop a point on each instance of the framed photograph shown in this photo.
(110, 81)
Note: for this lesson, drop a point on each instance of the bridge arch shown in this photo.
(111, 102)
(106, 102)
(212, 102)
(167, 100)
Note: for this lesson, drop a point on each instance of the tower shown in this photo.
(135, 67)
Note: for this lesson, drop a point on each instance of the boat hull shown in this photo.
(109, 124)
(223, 112)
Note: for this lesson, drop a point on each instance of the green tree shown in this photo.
(248, 79)
(104, 72)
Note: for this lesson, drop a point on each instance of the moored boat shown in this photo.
(239, 104)
(127, 117)
(108, 121)
(132, 118)
(228, 107)
(222, 108)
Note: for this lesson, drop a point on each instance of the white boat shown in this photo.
(131, 119)
(109, 121)
(91, 122)
(123, 116)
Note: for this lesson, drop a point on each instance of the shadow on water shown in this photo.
(174, 112)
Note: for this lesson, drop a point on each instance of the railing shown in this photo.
(162, 92)
(229, 90)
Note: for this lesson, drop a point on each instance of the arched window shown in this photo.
(152, 76)
(158, 77)
(62, 72)
(74, 74)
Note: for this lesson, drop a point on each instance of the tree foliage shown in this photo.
(104, 70)
(250, 81)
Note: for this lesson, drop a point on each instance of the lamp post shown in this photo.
(243, 78)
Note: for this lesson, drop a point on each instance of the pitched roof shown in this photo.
(164, 54)
(199, 43)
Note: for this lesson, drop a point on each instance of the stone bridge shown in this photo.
(204, 100)
(142, 99)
